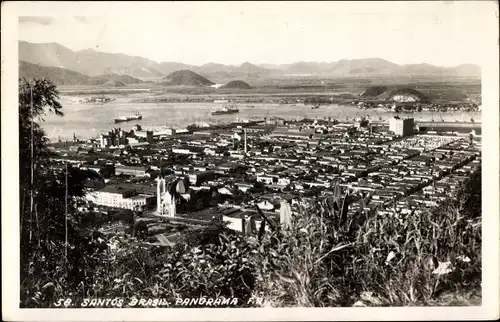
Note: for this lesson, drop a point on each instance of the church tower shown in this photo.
(165, 201)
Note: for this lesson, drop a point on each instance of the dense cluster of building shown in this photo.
(408, 103)
(98, 100)
(174, 179)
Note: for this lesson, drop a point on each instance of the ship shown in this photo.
(227, 109)
(314, 107)
(136, 116)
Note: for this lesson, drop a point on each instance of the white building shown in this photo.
(401, 127)
(118, 197)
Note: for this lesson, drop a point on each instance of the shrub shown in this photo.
(397, 258)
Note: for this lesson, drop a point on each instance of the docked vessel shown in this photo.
(314, 107)
(227, 109)
(136, 116)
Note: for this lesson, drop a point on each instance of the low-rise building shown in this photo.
(120, 197)
(131, 171)
(199, 177)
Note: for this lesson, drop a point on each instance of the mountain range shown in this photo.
(63, 76)
(94, 63)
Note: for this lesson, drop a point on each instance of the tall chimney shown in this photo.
(245, 132)
(158, 195)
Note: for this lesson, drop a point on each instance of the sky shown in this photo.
(444, 33)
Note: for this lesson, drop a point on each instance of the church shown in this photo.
(174, 196)
(168, 190)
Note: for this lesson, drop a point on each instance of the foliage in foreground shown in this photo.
(379, 260)
(327, 258)
(44, 267)
(323, 260)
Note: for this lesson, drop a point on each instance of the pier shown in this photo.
(451, 124)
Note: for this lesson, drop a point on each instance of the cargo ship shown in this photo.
(136, 116)
(227, 109)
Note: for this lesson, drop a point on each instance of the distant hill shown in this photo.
(237, 84)
(89, 62)
(307, 68)
(342, 68)
(47, 54)
(225, 72)
(252, 70)
(125, 79)
(362, 67)
(136, 72)
(170, 67)
(467, 70)
(400, 94)
(59, 76)
(113, 83)
(62, 76)
(421, 69)
(214, 68)
(372, 67)
(216, 71)
(374, 91)
(404, 94)
(185, 78)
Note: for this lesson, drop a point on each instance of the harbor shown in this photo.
(88, 120)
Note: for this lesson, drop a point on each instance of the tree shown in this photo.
(34, 155)
(47, 207)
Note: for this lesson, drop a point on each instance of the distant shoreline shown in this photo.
(170, 115)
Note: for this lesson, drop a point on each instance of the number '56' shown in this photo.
(65, 302)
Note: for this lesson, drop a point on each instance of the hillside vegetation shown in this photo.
(405, 91)
(185, 78)
(374, 91)
(390, 94)
(58, 76)
(237, 84)
(113, 83)
(62, 76)
(125, 79)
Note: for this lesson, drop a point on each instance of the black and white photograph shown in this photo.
(244, 155)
